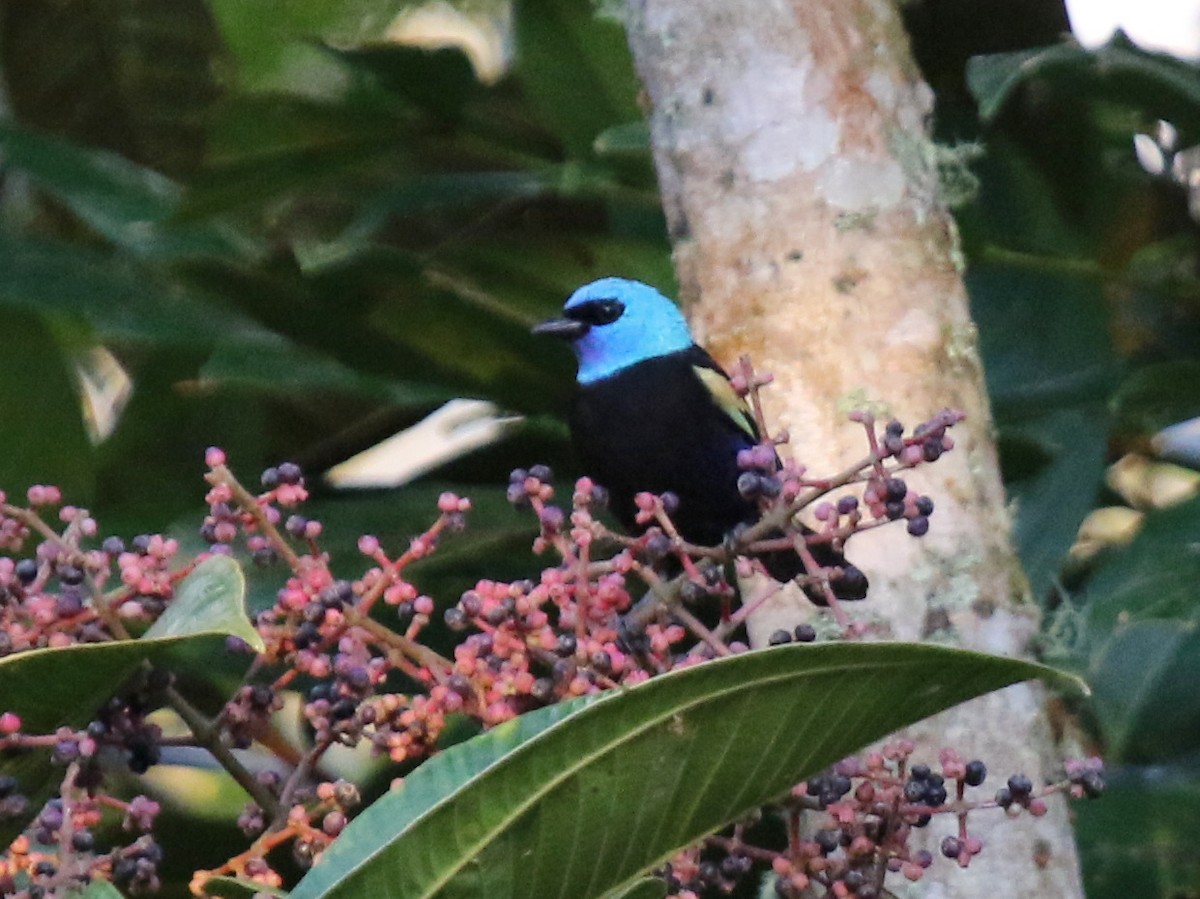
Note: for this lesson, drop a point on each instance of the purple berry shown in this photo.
(975, 773)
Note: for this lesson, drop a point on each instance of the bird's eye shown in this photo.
(597, 312)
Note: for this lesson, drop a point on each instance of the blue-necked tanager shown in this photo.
(655, 412)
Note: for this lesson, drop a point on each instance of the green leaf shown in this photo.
(439, 81)
(1155, 576)
(129, 204)
(277, 364)
(1050, 366)
(437, 193)
(516, 811)
(66, 686)
(1157, 396)
(1140, 838)
(1145, 695)
(1143, 620)
(1158, 84)
(122, 302)
(272, 147)
(1053, 495)
(40, 411)
(646, 888)
(234, 888)
(102, 187)
(270, 48)
(98, 889)
(211, 598)
(632, 138)
(576, 69)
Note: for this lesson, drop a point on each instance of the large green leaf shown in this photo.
(265, 148)
(1158, 84)
(577, 799)
(1140, 840)
(1156, 577)
(439, 81)
(276, 364)
(1053, 467)
(1157, 396)
(66, 686)
(576, 69)
(1142, 610)
(1049, 367)
(40, 411)
(1145, 690)
(122, 302)
(233, 888)
(270, 48)
(129, 204)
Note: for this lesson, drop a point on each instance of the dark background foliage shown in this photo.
(297, 238)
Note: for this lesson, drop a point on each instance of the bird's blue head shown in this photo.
(614, 323)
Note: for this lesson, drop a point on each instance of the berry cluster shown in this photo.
(608, 610)
(869, 808)
(60, 852)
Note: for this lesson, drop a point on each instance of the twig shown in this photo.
(209, 737)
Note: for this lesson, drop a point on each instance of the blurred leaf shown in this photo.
(630, 138)
(1049, 366)
(102, 187)
(1154, 577)
(432, 193)
(39, 402)
(576, 69)
(269, 147)
(1044, 339)
(121, 302)
(511, 813)
(276, 364)
(1053, 470)
(1158, 84)
(438, 81)
(135, 77)
(466, 334)
(1157, 396)
(1144, 690)
(1139, 839)
(272, 48)
(128, 204)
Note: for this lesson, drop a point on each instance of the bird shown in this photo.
(654, 412)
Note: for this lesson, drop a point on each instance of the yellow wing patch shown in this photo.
(727, 400)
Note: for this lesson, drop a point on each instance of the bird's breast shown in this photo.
(655, 427)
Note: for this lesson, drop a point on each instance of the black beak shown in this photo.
(564, 328)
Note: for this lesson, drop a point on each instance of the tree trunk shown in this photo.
(800, 186)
